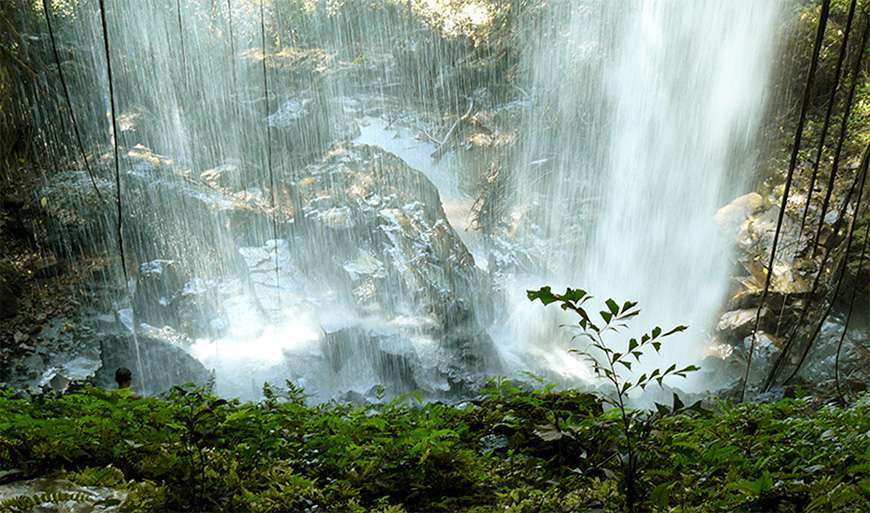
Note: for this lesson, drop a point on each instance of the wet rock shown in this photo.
(75, 368)
(275, 277)
(752, 225)
(771, 396)
(303, 125)
(20, 338)
(72, 214)
(198, 309)
(61, 496)
(163, 364)
(391, 357)
(391, 249)
(364, 201)
(493, 442)
(854, 357)
(361, 236)
(767, 347)
(162, 298)
(224, 176)
(731, 217)
(10, 287)
(737, 324)
(157, 284)
(289, 113)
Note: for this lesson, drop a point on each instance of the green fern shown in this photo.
(108, 476)
(26, 503)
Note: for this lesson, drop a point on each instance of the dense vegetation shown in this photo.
(511, 450)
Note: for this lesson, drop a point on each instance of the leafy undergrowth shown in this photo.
(511, 451)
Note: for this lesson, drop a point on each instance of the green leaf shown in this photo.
(612, 306)
(678, 329)
(657, 346)
(632, 344)
(656, 332)
(550, 433)
(630, 315)
(627, 364)
(417, 394)
(677, 402)
(660, 496)
(574, 295)
(544, 294)
(628, 305)
(606, 316)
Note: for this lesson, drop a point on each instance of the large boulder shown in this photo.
(164, 297)
(751, 222)
(738, 324)
(732, 216)
(374, 230)
(157, 364)
(373, 258)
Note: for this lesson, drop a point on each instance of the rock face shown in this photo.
(363, 246)
(752, 226)
(80, 350)
(9, 289)
(380, 233)
(373, 257)
(794, 306)
(738, 323)
(163, 364)
(732, 216)
(164, 297)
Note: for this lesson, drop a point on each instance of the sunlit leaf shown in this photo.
(612, 306)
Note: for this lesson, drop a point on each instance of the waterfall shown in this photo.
(360, 265)
(657, 106)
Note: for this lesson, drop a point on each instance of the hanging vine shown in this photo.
(841, 58)
(820, 35)
(856, 74)
(272, 204)
(817, 282)
(809, 343)
(118, 202)
(66, 95)
(848, 319)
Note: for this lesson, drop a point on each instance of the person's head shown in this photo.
(123, 377)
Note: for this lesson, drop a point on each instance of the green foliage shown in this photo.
(191, 451)
(607, 363)
(27, 503)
